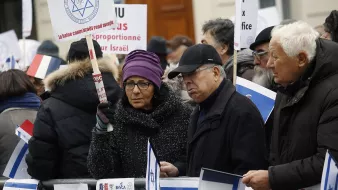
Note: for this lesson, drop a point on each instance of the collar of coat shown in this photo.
(171, 105)
(78, 69)
(221, 100)
(322, 67)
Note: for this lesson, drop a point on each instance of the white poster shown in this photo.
(117, 183)
(9, 46)
(245, 23)
(130, 33)
(27, 17)
(73, 19)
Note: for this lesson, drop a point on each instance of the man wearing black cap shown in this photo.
(263, 76)
(226, 130)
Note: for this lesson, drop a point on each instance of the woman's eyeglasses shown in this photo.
(140, 85)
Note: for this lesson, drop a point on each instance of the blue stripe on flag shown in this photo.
(262, 102)
(18, 160)
(327, 172)
(336, 186)
(220, 177)
(178, 188)
(235, 185)
(149, 149)
(21, 185)
(54, 64)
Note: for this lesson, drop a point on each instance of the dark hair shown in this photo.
(160, 94)
(223, 32)
(331, 25)
(14, 83)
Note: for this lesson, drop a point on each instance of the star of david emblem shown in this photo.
(152, 178)
(81, 11)
(79, 7)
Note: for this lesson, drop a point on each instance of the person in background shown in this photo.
(157, 45)
(178, 87)
(147, 110)
(177, 45)
(62, 129)
(18, 103)
(320, 29)
(219, 33)
(306, 109)
(260, 51)
(226, 129)
(331, 27)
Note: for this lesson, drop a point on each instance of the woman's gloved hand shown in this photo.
(104, 116)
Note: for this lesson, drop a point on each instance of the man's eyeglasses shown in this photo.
(197, 70)
(259, 55)
(140, 85)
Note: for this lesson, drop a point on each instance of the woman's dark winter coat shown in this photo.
(62, 129)
(123, 152)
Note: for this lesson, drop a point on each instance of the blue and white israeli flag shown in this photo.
(21, 184)
(263, 98)
(153, 170)
(11, 63)
(216, 180)
(330, 174)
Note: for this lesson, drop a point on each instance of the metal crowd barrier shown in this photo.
(139, 183)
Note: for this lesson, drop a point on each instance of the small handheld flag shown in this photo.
(330, 174)
(216, 180)
(25, 131)
(263, 98)
(43, 65)
(11, 63)
(16, 166)
(27, 184)
(153, 170)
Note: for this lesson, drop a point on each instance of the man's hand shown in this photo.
(168, 170)
(257, 180)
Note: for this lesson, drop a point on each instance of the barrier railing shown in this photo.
(139, 183)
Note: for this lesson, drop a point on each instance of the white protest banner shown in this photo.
(29, 47)
(118, 183)
(131, 31)
(245, 23)
(20, 184)
(9, 46)
(74, 19)
(267, 17)
(70, 187)
(27, 17)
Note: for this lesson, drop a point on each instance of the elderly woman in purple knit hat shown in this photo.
(147, 110)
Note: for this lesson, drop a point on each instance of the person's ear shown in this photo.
(302, 59)
(216, 73)
(224, 49)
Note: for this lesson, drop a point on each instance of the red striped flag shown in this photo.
(43, 65)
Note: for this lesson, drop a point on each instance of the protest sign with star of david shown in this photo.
(74, 19)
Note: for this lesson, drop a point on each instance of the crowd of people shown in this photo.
(181, 97)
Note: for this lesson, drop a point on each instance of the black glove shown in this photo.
(104, 116)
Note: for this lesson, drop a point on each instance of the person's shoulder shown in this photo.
(242, 105)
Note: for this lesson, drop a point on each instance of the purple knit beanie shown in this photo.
(143, 64)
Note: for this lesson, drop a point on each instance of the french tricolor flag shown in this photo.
(25, 131)
(43, 65)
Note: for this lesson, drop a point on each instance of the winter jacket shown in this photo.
(226, 133)
(62, 129)
(245, 65)
(306, 123)
(9, 119)
(123, 152)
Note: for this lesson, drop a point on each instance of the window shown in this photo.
(266, 3)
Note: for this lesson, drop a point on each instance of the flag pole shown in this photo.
(24, 53)
(97, 77)
(235, 68)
